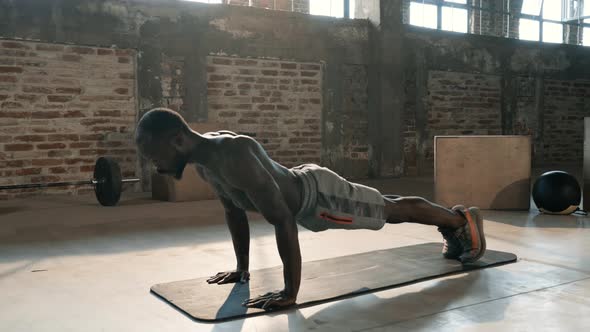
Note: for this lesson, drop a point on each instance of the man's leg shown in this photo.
(419, 210)
(462, 228)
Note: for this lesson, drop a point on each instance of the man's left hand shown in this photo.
(221, 278)
(270, 300)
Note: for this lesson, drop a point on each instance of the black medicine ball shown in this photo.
(557, 192)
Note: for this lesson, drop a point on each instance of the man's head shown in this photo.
(164, 137)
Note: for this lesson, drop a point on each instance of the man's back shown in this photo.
(226, 154)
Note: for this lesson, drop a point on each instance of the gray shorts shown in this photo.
(331, 202)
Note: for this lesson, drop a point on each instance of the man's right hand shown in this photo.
(229, 277)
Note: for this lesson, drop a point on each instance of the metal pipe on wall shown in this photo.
(346, 8)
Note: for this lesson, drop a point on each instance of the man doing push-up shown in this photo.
(246, 179)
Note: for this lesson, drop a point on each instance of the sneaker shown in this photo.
(466, 243)
(452, 248)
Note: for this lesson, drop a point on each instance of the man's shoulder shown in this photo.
(220, 133)
(238, 142)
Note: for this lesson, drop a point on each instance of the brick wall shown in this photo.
(469, 104)
(565, 105)
(573, 34)
(61, 107)
(301, 6)
(490, 21)
(279, 103)
(461, 104)
(486, 23)
(513, 20)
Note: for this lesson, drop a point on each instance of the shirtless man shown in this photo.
(246, 179)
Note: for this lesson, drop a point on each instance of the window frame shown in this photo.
(444, 3)
(580, 23)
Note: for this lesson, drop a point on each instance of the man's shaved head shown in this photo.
(159, 124)
(159, 135)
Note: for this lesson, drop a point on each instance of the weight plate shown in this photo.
(108, 176)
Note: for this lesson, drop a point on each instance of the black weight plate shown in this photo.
(108, 176)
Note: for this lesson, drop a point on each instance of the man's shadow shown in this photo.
(232, 306)
(414, 309)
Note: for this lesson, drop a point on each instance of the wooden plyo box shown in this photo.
(490, 172)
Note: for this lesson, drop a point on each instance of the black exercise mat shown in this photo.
(322, 281)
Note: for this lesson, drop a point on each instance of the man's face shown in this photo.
(167, 159)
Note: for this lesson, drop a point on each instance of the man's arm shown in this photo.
(237, 222)
(270, 203)
(265, 194)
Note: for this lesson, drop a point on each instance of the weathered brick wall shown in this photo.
(490, 20)
(573, 34)
(301, 6)
(355, 125)
(61, 107)
(513, 20)
(487, 23)
(461, 104)
(279, 103)
(565, 105)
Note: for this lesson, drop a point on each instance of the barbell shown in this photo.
(107, 182)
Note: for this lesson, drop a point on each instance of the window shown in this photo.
(423, 15)
(531, 7)
(448, 15)
(538, 20)
(528, 29)
(334, 8)
(552, 32)
(552, 10)
(206, 1)
(454, 19)
(549, 13)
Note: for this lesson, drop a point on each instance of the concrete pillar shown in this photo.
(513, 21)
(586, 190)
(386, 90)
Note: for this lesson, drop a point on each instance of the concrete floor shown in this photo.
(67, 264)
